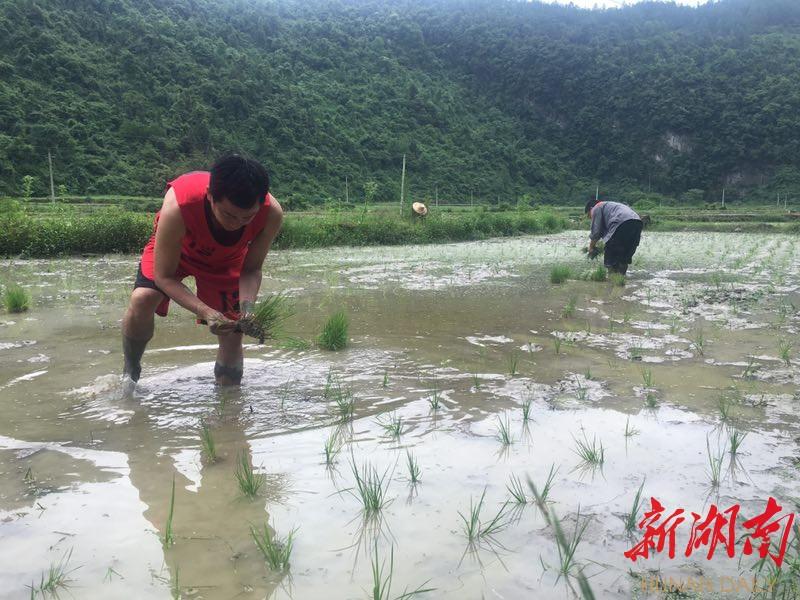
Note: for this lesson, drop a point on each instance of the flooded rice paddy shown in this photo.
(655, 376)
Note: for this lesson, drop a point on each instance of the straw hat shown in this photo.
(419, 208)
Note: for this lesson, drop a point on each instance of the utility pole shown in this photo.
(52, 187)
(402, 185)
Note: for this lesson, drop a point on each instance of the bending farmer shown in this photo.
(216, 227)
(619, 227)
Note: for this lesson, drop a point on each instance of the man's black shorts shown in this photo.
(621, 247)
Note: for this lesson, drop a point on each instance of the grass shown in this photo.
(55, 578)
(169, 535)
(599, 273)
(784, 351)
(647, 378)
(393, 426)
(630, 431)
(560, 273)
(516, 490)
(414, 470)
(632, 518)
(382, 580)
(267, 317)
(504, 431)
(474, 528)
(715, 465)
(276, 550)
(16, 299)
(569, 308)
(249, 481)
(590, 453)
(513, 360)
(736, 438)
(370, 488)
(334, 334)
(209, 450)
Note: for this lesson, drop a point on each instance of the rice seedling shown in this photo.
(699, 342)
(784, 350)
(588, 374)
(513, 360)
(590, 453)
(169, 535)
(560, 273)
(294, 343)
(110, 574)
(267, 317)
(541, 498)
(715, 465)
(617, 279)
(582, 391)
(673, 327)
(435, 399)
(651, 400)
(209, 448)
(599, 274)
(635, 353)
(569, 308)
(588, 328)
(526, 409)
(55, 578)
(736, 438)
(630, 431)
(476, 381)
(175, 588)
(780, 582)
(626, 317)
(385, 382)
(414, 470)
(557, 344)
(382, 581)
(249, 481)
(334, 334)
(516, 490)
(647, 378)
(332, 447)
(474, 528)
(16, 299)
(504, 431)
(393, 425)
(725, 409)
(276, 550)
(345, 401)
(370, 488)
(632, 517)
(329, 382)
(750, 369)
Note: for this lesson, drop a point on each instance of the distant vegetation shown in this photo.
(498, 100)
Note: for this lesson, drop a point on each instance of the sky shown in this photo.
(615, 3)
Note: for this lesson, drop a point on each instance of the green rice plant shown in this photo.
(276, 550)
(513, 360)
(673, 327)
(294, 343)
(516, 490)
(474, 528)
(345, 401)
(599, 273)
(329, 383)
(382, 581)
(175, 587)
(476, 381)
(647, 377)
(334, 334)
(267, 317)
(779, 582)
(526, 409)
(435, 399)
(651, 400)
(16, 299)
(617, 279)
(715, 465)
(590, 453)
(736, 438)
(569, 308)
(370, 488)
(332, 447)
(560, 273)
(209, 450)
(504, 431)
(582, 391)
(541, 498)
(169, 535)
(632, 518)
(630, 431)
(55, 578)
(385, 382)
(414, 470)
(249, 481)
(699, 342)
(784, 350)
(725, 409)
(626, 317)
(588, 374)
(393, 425)
(635, 353)
(557, 344)
(750, 369)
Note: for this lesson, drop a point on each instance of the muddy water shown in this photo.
(86, 475)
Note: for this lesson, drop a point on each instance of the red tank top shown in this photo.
(200, 251)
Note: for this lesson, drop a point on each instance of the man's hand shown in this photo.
(218, 323)
(593, 253)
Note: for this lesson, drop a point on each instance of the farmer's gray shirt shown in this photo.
(607, 216)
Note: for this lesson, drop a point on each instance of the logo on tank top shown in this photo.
(202, 250)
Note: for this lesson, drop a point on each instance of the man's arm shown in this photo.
(250, 279)
(169, 237)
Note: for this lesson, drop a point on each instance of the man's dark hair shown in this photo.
(241, 180)
(590, 205)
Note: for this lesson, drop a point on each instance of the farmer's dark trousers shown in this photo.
(621, 247)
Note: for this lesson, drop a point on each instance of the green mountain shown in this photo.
(495, 98)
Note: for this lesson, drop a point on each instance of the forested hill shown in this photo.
(496, 98)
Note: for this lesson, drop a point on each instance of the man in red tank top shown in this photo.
(217, 227)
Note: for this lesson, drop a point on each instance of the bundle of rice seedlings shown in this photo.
(334, 334)
(16, 299)
(267, 317)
